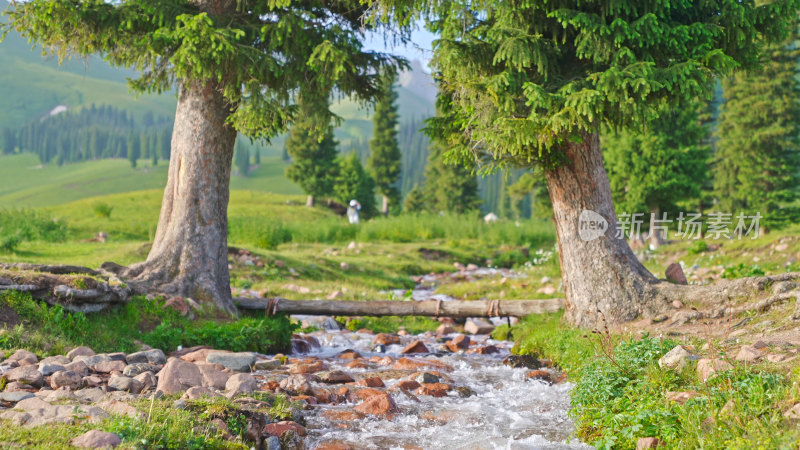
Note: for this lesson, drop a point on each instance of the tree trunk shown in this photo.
(656, 236)
(385, 206)
(310, 201)
(189, 253)
(603, 280)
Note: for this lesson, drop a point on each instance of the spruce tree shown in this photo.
(758, 140)
(414, 201)
(313, 165)
(241, 159)
(385, 156)
(532, 83)
(652, 170)
(449, 187)
(239, 67)
(354, 183)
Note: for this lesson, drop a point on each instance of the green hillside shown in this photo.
(26, 183)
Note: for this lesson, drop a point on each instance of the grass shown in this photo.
(51, 330)
(620, 392)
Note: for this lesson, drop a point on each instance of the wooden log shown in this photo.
(453, 308)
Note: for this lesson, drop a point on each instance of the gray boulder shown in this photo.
(238, 362)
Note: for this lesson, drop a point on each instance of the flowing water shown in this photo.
(506, 410)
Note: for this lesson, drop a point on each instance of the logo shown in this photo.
(591, 225)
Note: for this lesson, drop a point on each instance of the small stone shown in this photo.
(748, 354)
(415, 347)
(92, 381)
(154, 356)
(444, 330)
(677, 304)
(378, 405)
(335, 295)
(277, 429)
(426, 377)
(23, 355)
(49, 369)
(272, 443)
(335, 377)
(477, 326)
(408, 385)
(647, 442)
(460, 342)
(14, 397)
(90, 395)
(674, 274)
(433, 389)
(78, 367)
(349, 354)
(296, 385)
(484, 350)
(108, 366)
(147, 379)
(79, 351)
(57, 359)
(96, 439)
(793, 413)
(526, 361)
(238, 362)
(131, 370)
(127, 384)
(385, 339)
(25, 374)
(681, 397)
(240, 383)
(177, 376)
(675, 359)
(373, 382)
(541, 375)
(706, 368)
(196, 392)
(267, 364)
(213, 377)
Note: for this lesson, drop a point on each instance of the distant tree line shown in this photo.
(96, 132)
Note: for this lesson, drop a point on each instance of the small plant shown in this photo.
(742, 271)
(697, 247)
(272, 235)
(102, 210)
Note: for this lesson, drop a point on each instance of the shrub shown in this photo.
(102, 209)
(697, 247)
(20, 225)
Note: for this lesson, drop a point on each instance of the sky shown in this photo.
(419, 48)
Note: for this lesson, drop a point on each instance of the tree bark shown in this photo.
(189, 253)
(603, 280)
(310, 201)
(385, 205)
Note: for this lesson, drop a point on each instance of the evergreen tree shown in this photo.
(384, 158)
(134, 143)
(532, 83)
(9, 141)
(415, 200)
(257, 156)
(242, 159)
(313, 165)
(758, 140)
(652, 170)
(449, 187)
(354, 183)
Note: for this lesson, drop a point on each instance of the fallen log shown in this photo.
(452, 308)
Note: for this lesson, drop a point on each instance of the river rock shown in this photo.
(408, 385)
(675, 359)
(526, 361)
(444, 330)
(66, 378)
(154, 356)
(277, 429)
(477, 326)
(92, 381)
(314, 367)
(460, 342)
(14, 397)
(78, 367)
(433, 389)
(90, 395)
(748, 354)
(57, 359)
(426, 377)
(415, 347)
(240, 383)
(674, 274)
(267, 364)
(127, 384)
(385, 339)
(108, 366)
(197, 355)
(296, 385)
(147, 379)
(49, 369)
(349, 354)
(381, 404)
(177, 376)
(335, 377)
(706, 368)
(93, 359)
(373, 382)
(213, 377)
(131, 370)
(196, 392)
(25, 374)
(23, 358)
(79, 351)
(541, 375)
(238, 362)
(96, 439)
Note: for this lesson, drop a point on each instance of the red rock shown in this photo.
(539, 375)
(198, 355)
(342, 415)
(366, 393)
(332, 445)
(416, 364)
(324, 396)
(357, 364)
(277, 429)
(415, 347)
(385, 361)
(675, 274)
(433, 389)
(444, 330)
(488, 350)
(271, 385)
(378, 405)
(314, 367)
(372, 382)
(385, 339)
(349, 354)
(460, 342)
(343, 392)
(408, 385)
(304, 398)
(335, 376)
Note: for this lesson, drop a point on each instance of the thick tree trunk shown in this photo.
(385, 205)
(603, 280)
(310, 201)
(189, 253)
